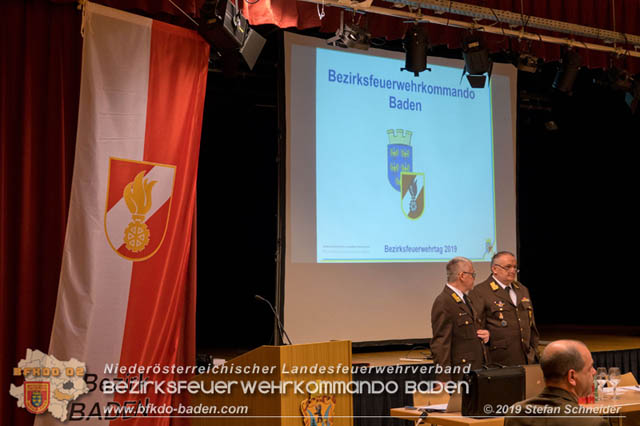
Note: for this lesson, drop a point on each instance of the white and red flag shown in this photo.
(127, 287)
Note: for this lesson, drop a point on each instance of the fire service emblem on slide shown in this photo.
(412, 194)
(138, 205)
(401, 176)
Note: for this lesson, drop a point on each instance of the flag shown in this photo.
(126, 293)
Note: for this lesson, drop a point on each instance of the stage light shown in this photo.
(415, 45)
(350, 36)
(476, 60)
(228, 32)
(550, 125)
(528, 63)
(619, 79)
(355, 37)
(633, 97)
(568, 71)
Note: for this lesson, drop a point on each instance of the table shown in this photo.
(445, 419)
(628, 402)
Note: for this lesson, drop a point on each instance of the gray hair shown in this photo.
(454, 267)
(560, 357)
(501, 253)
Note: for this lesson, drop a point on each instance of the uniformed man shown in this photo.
(459, 335)
(508, 312)
(568, 372)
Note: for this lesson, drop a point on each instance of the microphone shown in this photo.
(275, 314)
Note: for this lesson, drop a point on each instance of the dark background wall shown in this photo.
(575, 200)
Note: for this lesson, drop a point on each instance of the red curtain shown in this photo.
(40, 57)
(39, 86)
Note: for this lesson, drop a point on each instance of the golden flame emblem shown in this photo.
(137, 195)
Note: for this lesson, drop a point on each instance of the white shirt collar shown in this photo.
(458, 292)
(512, 295)
(499, 283)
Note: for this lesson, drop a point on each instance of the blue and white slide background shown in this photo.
(359, 214)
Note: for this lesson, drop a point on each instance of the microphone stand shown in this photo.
(278, 322)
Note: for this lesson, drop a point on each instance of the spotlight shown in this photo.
(415, 45)
(633, 97)
(350, 36)
(619, 79)
(568, 71)
(476, 60)
(528, 63)
(228, 32)
(551, 125)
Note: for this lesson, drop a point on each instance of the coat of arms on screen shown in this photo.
(138, 204)
(401, 175)
(317, 410)
(399, 155)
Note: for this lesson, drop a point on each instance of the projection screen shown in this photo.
(388, 176)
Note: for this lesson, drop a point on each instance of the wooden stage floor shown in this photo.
(597, 339)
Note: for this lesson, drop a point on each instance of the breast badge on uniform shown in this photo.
(500, 304)
(502, 321)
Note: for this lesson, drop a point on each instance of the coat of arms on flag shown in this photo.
(412, 194)
(138, 205)
(36, 397)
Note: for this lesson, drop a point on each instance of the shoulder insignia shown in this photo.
(456, 297)
(493, 286)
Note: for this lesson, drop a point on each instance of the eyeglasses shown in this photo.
(473, 274)
(508, 267)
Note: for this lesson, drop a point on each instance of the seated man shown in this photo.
(568, 372)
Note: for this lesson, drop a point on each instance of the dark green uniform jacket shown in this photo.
(514, 336)
(553, 407)
(454, 341)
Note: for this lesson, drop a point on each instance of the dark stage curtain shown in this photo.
(628, 360)
(372, 408)
(39, 86)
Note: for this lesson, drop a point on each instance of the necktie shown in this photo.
(512, 294)
(468, 302)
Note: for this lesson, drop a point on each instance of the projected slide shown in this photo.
(404, 164)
